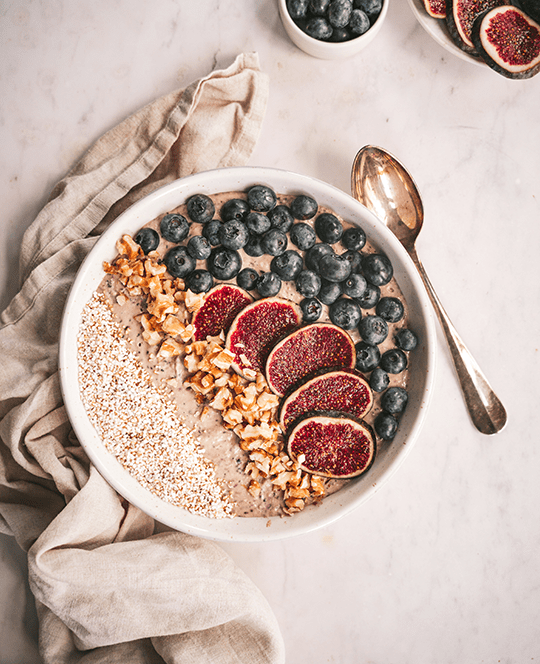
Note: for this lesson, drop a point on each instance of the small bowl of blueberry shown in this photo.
(332, 29)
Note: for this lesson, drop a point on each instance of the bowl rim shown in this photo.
(240, 529)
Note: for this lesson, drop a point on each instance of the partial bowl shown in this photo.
(436, 29)
(327, 50)
(390, 455)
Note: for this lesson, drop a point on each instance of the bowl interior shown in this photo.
(389, 456)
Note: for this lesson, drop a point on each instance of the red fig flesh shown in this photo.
(460, 17)
(509, 42)
(345, 391)
(332, 445)
(220, 307)
(307, 351)
(257, 328)
(436, 8)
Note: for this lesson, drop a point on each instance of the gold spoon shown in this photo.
(383, 185)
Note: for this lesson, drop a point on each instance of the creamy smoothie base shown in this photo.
(202, 460)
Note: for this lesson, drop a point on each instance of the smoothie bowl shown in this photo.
(247, 354)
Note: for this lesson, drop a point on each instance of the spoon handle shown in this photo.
(486, 410)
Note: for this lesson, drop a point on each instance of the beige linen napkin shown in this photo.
(108, 588)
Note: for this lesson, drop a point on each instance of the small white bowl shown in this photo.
(329, 50)
(389, 456)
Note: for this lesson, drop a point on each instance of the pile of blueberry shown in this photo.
(347, 282)
(334, 20)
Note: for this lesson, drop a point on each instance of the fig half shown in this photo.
(508, 41)
(305, 352)
(332, 444)
(460, 18)
(344, 391)
(220, 307)
(436, 8)
(257, 329)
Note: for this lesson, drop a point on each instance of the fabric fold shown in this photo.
(107, 588)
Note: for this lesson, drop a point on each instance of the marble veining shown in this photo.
(441, 565)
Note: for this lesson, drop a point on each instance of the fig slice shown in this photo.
(508, 41)
(257, 328)
(436, 8)
(332, 444)
(220, 307)
(460, 17)
(307, 351)
(344, 391)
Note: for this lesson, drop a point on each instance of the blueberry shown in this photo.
(359, 22)
(311, 309)
(303, 236)
(313, 256)
(308, 283)
(370, 298)
(354, 258)
(174, 228)
(297, 8)
(371, 8)
(235, 208)
(353, 238)
(319, 7)
(224, 263)
(373, 329)
(385, 426)
(334, 268)
(198, 247)
(405, 339)
(394, 400)
(367, 356)
(354, 286)
(247, 278)
(179, 263)
(200, 208)
(390, 308)
(340, 35)
(257, 223)
(328, 227)
(199, 281)
(329, 292)
(287, 265)
(304, 207)
(253, 247)
(274, 242)
(319, 28)
(345, 313)
(261, 198)
(394, 361)
(211, 231)
(377, 269)
(281, 218)
(379, 380)
(339, 13)
(147, 239)
(268, 284)
(233, 234)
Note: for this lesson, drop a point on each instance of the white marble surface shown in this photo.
(441, 565)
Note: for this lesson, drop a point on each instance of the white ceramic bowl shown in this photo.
(436, 28)
(389, 457)
(329, 50)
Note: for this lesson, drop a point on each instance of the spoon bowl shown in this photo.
(381, 183)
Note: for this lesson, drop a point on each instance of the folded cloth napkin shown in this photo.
(108, 586)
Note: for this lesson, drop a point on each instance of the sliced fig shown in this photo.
(220, 307)
(436, 8)
(257, 328)
(332, 445)
(305, 352)
(345, 391)
(460, 17)
(508, 41)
